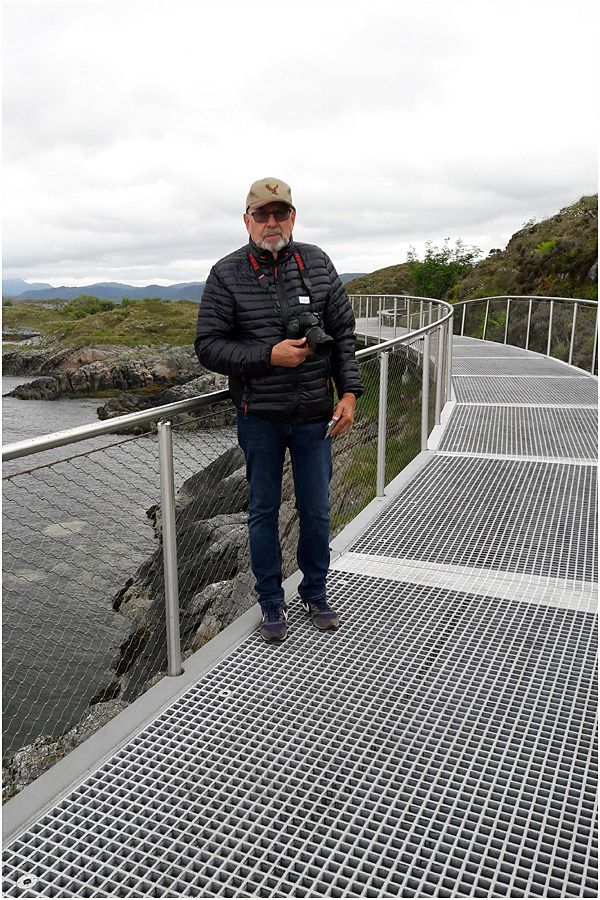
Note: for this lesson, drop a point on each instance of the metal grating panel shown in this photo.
(461, 766)
(470, 348)
(529, 365)
(494, 514)
(523, 431)
(557, 391)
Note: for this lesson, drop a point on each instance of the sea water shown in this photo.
(75, 528)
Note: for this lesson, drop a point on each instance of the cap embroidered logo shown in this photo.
(272, 189)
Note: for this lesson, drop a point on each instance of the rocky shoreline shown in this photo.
(102, 371)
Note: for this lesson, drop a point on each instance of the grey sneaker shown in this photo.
(323, 617)
(274, 622)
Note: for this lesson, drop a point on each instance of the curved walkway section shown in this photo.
(440, 744)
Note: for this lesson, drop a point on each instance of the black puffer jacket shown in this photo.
(239, 324)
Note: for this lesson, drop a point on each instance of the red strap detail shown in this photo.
(253, 262)
(298, 259)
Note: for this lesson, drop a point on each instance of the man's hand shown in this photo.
(290, 353)
(344, 413)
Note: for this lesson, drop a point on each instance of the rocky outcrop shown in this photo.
(88, 372)
(204, 384)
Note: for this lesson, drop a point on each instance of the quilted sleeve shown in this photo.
(216, 346)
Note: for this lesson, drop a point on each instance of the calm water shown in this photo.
(74, 530)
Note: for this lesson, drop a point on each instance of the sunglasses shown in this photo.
(280, 215)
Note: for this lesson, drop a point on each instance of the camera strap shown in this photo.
(265, 282)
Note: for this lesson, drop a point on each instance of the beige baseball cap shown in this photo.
(268, 190)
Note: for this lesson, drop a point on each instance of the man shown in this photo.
(282, 388)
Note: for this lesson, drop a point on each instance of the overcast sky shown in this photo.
(132, 130)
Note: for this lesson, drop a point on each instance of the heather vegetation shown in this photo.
(88, 321)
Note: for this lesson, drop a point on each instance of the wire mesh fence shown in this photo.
(77, 532)
(84, 624)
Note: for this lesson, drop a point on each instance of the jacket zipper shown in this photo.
(283, 302)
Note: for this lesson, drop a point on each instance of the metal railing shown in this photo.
(77, 549)
(490, 318)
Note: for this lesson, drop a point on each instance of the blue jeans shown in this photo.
(264, 444)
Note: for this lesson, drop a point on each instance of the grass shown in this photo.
(150, 322)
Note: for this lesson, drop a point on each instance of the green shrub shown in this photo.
(441, 268)
(86, 305)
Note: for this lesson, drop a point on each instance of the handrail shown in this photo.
(83, 432)
(525, 297)
(576, 301)
(410, 336)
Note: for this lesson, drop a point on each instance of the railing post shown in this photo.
(425, 394)
(462, 325)
(507, 319)
(449, 335)
(439, 374)
(528, 323)
(169, 542)
(573, 334)
(367, 321)
(550, 328)
(420, 313)
(395, 313)
(408, 315)
(382, 428)
(485, 321)
(595, 344)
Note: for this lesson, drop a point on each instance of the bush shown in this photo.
(441, 268)
(87, 305)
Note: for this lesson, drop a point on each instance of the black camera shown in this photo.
(309, 325)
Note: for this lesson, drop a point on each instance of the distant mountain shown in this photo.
(17, 289)
(12, 287)
(113, 290)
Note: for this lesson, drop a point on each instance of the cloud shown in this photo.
(133, 129)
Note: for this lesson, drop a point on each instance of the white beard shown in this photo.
(272, 245)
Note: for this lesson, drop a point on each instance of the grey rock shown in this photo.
(86, 372)
(34, 759)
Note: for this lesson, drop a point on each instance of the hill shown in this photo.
(144, 323)
(554, 257)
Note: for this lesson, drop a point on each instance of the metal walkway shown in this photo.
(440, 744)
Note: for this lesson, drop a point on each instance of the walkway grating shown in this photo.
(577, 390)
(523, 431)
(510, 366)
(494, 514)
(445, 769)
(440, 744)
